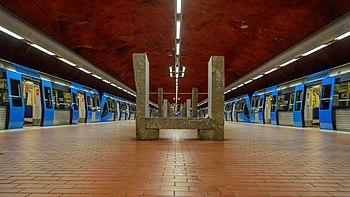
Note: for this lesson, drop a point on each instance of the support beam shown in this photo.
(160, 102)
(195, 102)
(141, 73)
(216, 84)
(165, 108)
(188, 108)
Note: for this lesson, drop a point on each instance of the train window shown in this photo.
(4, 99)
(291, 101)
(261, 104)
(105, 109)
(285, 103)
(273, 103)
(62, 99)
(16, 93)
(299, 100)
(112, 104)
(76, 103)
(326, 94)
(48, 99)
(89, 103)
(342, 95)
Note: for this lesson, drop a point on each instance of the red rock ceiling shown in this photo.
(108, 32)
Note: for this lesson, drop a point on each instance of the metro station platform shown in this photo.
(105, 160)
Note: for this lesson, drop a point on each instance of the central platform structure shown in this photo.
(211, 128)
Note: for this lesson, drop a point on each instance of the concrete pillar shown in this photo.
(195, 102)
(188, 108)
(216, 86)
(160, 102)
(141, 75)
(165, 108)
(184, 108)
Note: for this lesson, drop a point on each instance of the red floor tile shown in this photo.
(105, 160)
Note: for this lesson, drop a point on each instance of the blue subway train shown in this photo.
(319, 100)
(29, 97)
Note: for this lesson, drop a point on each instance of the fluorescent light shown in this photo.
(248, 81)
(120, 88)
(171, 69)
(177, 75)
(270, 71)
(106, 81)
(315, 49)
(112, 84)
(176, 69)
(178, 26)
(84, 70)
(342, 36)
(234, 88)
(183, 69)
(42, 49)
(177, 48)
(178, 6)
(289, 62)
(66, 61)
(257, 77)
(240, 85)
(182, 74)
(171, 74)
(96, 76)
(10, 33)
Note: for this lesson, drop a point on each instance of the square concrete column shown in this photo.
(195, 102)
(160, 102)
(188, 108)
(165, 108)
(216, 86)
(141, 75)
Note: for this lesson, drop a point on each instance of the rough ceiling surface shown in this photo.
(108, 32)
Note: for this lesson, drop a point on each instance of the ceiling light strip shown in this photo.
(3, 29)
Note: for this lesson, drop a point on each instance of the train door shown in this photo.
(88, 103)
(4, 100)
(234, 111)
(75, 106)
(96, 112)
(112, 108)
(274, 119)
(123, 113)
(48, 108)
(117, 115)
(81, 107)
(267, 111)
(326, 106)
(298, 106)
(32, 102)
(127, 111)
(16, 107)
(312, 105)
(261, 109)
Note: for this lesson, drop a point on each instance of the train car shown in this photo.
(108, 106)
(242, 108)
(320, 100)
(336, 101)
(29, 97)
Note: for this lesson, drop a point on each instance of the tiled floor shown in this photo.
(105, 160)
